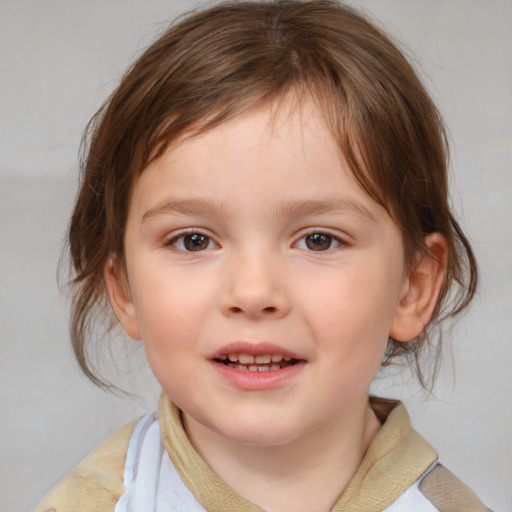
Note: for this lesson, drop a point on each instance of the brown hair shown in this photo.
(216, 63)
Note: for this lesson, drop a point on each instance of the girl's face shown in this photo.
(262, 279)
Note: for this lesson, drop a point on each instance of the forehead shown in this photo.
(304, 103)
(282, 152)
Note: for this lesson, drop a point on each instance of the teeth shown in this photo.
(246, 358)
(259, 363)
(255, 367)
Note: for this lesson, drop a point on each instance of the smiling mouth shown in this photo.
(259, 363)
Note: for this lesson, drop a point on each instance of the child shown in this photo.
(264, 202)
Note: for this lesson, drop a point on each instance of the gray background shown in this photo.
(60, 59)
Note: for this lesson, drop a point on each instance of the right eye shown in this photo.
(190, 242)
(319, 241)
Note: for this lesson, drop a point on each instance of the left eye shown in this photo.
(318, 242)
(193, 242)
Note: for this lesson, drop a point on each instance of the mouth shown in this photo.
(257, 366)
(256, 363)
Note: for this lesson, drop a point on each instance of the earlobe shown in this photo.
(120, 298)
(421, 290)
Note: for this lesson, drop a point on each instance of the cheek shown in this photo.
(357, 299)
(170, 309)
(353, 316)
(169, 323)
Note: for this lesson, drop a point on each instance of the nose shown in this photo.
(254, 288)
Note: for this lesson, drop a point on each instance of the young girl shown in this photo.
(264, 205)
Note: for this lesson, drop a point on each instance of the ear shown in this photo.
(120, 298)
(421, 290)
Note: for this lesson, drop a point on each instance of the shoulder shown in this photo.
(97, 482)
(437, 490)
(404, 471)
(447, 493)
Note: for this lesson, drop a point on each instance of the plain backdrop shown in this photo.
(59, 61)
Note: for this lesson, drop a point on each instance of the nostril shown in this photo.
(237, 309)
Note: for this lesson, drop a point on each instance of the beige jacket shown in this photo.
(395, 460)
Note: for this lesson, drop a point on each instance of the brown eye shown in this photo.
(193, 242)
(318, 242)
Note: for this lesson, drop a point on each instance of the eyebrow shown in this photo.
(202, 206)
(327, 206)
(184, 207)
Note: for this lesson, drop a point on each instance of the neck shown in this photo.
(306, 474)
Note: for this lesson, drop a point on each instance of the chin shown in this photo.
(259, 432)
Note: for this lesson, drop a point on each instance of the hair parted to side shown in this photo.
(216, 63)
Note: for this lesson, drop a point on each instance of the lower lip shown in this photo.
(257, 381)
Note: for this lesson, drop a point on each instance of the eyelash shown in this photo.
(333, 241)
(329, 241)
(192, 233)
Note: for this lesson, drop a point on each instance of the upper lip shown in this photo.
(253, 348)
